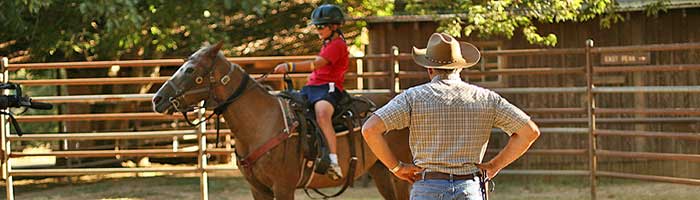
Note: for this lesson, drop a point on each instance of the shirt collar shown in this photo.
(453, 77)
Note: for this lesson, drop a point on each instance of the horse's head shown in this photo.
(192, 82)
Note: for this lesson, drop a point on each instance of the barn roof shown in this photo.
(638, 5)
(624, 6)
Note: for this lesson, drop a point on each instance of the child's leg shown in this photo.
(324, 113)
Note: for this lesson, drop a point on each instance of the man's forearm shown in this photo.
(379, 146)
(516, 147)
(518, 143)
(373, 131)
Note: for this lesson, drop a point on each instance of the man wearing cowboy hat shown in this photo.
(450, 122)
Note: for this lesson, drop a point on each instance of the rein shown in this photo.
(264, 76)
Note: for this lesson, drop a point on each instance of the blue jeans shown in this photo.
(446, 189)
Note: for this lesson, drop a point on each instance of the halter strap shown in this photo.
(250, 159)
(224, 80)
(233, 97)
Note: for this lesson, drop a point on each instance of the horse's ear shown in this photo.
(214, 50)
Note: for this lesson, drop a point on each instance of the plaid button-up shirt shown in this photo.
(450, 122)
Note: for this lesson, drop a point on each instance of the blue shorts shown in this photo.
(315, 93)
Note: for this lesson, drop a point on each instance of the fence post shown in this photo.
(360, 69)
(393, 83)
(592, 144)
(5, 131)
(202, 156)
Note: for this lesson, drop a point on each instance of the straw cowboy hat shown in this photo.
(445, 52)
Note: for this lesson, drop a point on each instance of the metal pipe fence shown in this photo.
(393, 76)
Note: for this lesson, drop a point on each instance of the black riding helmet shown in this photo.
(327, 14)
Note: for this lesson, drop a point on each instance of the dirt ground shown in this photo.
(231, 188)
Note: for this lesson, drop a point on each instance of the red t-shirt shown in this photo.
(336, 53)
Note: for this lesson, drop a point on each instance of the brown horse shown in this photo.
(255, 116)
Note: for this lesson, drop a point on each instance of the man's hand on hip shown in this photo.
(490, 168)
(519, 142)
(408, 172)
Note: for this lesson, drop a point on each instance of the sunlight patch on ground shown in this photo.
(22, 182)
(120, 199)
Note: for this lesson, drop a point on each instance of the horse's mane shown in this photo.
(265, 87)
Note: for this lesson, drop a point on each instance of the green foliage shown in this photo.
(654, 8)
(504, 17)
(78, 30)
(59, 30)
(370, 8)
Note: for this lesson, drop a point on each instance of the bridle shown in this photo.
(182, 93)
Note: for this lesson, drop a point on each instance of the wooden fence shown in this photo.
(582, 126)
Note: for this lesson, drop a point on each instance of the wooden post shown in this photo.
(229, 141)
(176, 143)
(394, 83)
(592, 164)
(5, 132)
(360, 70)
(201, 156)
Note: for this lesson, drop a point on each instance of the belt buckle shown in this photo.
(452, 178)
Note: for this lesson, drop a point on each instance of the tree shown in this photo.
(60, 30)
(77, 30)
(504, 17)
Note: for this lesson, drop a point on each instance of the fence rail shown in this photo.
(649, 155)
(688, 181)
(102, 136)
(682, 136)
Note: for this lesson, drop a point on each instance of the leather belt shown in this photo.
(445, 176)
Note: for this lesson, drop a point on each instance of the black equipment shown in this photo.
(17, 100)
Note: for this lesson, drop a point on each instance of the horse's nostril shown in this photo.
(157, 99)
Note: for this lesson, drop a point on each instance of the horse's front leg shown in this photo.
(261, 195)
(283, 192)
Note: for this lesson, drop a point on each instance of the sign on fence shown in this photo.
(626, 58)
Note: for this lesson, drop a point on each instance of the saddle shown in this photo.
(349, 114)
(357, 106)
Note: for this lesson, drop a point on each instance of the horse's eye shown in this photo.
(189, 70)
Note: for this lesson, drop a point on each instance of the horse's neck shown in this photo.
(253, 119)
